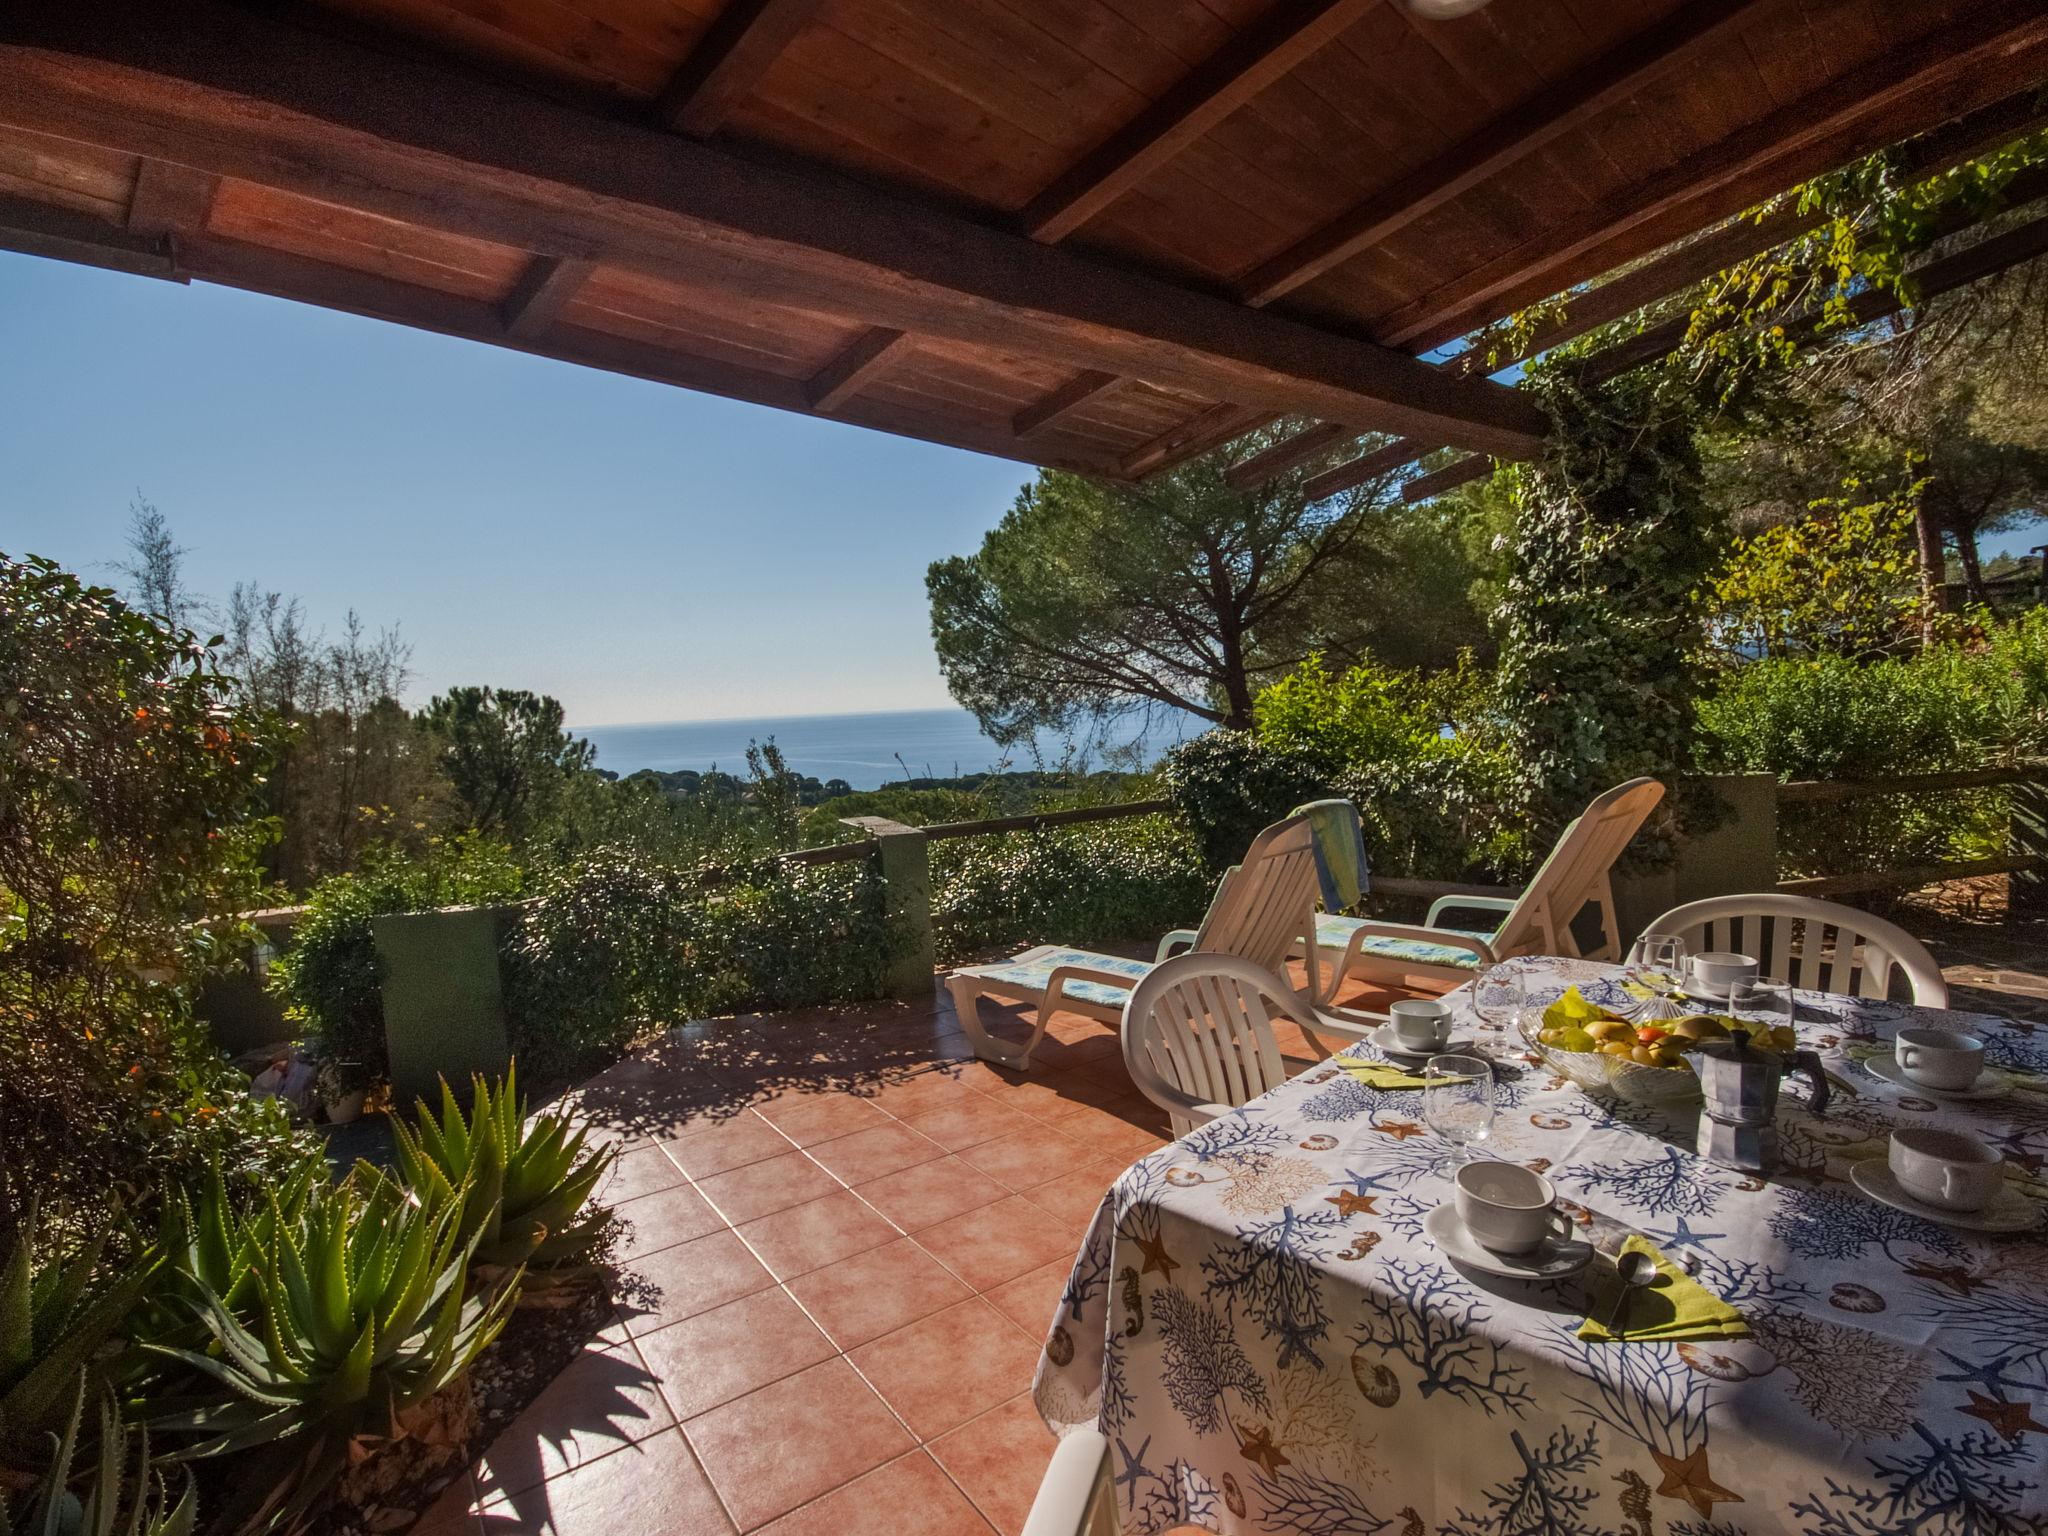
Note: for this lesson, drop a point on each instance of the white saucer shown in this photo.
(1716, 997)
(1555, 1259)
(2009, 1210)
(1389, 1042)
(1989, 1086)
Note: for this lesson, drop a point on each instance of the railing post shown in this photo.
(2027, 889)
(444, 999)
(902, 859)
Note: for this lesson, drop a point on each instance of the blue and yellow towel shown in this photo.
(1340, 852)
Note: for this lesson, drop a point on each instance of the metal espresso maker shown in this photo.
(1738, 1125)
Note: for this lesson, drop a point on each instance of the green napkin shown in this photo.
(1673, 1306)
(1385, 1077)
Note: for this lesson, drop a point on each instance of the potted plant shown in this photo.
(342, 1086)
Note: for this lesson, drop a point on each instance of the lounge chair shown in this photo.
(1263, 910)
(1539, 921)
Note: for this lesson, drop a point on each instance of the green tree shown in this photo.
(1091, 599)
(505, 754)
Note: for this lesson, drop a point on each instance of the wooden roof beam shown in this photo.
(237, 94)
(1612, 78)
(867, 357)
(1275, 460)
(1207, 429)
(170, 199)
(747, 37)
(1252, 60)
(543, 289)
(1383, 460)
(64, 234)
(1072, 395)
(1990, 53)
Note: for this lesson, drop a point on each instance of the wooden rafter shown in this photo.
(41, 229)
(1383, 460)
(547, 284)
(239, 95)
(170, 199)
(1990, 51)
(1284, 455)
(1208, 429)
(865, 358)
(1232, 76)
(1612, 78)
(1051, 406)
(748, 36)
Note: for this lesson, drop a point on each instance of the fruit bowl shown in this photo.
(1617, 1075)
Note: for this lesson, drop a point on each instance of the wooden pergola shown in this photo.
(1098, 234)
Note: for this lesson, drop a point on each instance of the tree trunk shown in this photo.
(1933, 574)
(1973, 573)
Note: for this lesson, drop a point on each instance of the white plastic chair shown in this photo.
(1263, 909)
(1077, 1496)
(1820, 945)
(1578, 871)
(1198, 1035)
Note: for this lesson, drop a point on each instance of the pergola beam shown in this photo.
(1612, 78)
(867, 357)
(1252, 60)
(543, 289)
(170, 199)
(1198, 434)
(1050, 407)
(234, 94)
(729, 61)
(41, 229)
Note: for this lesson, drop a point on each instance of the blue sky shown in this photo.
(639, 551)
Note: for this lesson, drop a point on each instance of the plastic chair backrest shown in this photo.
(1578, 871)
(1265, 908)
(1198, 1034)
(1820, 945)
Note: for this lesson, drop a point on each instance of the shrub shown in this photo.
(616, 945)
(1228, 786)
(1089, 884)
(1364, 714)
(120, 1492)
(330, 980)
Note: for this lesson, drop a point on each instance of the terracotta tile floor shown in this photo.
(848, 1238)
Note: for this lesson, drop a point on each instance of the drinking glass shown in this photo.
(1458, 1101)
(1764, 1004)
(1662, 955)
(1500, 995)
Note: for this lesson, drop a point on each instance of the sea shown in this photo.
(871, 750)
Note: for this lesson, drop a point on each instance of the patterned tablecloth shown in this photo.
(1259, 1323)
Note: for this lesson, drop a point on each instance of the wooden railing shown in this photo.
(2022, 860)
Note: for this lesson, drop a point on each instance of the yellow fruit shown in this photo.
(1616, 1048)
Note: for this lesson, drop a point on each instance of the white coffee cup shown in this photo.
(1716, 970)
(1951, 1169)
(1420, 1023)
(1939, 1058)
(1508, 1208)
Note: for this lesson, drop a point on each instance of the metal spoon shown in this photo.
(1635, 1271)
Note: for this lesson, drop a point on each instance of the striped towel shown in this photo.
(1339, 838)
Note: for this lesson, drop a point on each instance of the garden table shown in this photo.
(1259, 1323)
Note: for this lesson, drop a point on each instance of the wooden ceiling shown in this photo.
(1102, 234)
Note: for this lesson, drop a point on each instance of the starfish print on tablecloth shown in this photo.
(1134, 1470)
(2011, 1420)
(1682, 1236)
(1991, 1374)
(1257, 1447)
(1157, 1259)
(1953, 1276)
(1349, 1204)
(1686, 1477)
(1400, 1130)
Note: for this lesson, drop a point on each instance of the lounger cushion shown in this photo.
(1335, 933)
(1032, 971)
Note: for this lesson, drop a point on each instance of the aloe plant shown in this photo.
(521, 1190)
(108, 1498)
(360, 1317)
(57, 1319)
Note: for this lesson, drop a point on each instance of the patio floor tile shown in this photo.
(968, 1124)
(735, 1143)
(655, 1488)
(926, 1092)
(1074, 1198)
(665, 1219)
(644, 1171)
(731, 1350)
(779, 1448)
(689, 1278)
(910, 1496)
(943, 1370)
(454, 1512)
(773, 1185)
(1030, 1157)
(998, 1242)
(1031, 1301)
(809, 1118)
(998, 1460)
(605, 1399)
(888, 1148)
(805, 1237)
(931, 1192)
(874, 1293)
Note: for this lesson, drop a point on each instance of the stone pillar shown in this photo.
(444, 999)
(902, 859)
(1735, 852)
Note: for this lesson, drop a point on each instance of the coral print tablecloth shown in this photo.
(1260, 1325)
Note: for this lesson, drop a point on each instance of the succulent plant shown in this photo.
(360, 1318)
(58, 1318)
(521, 1190)
(119, 1493)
